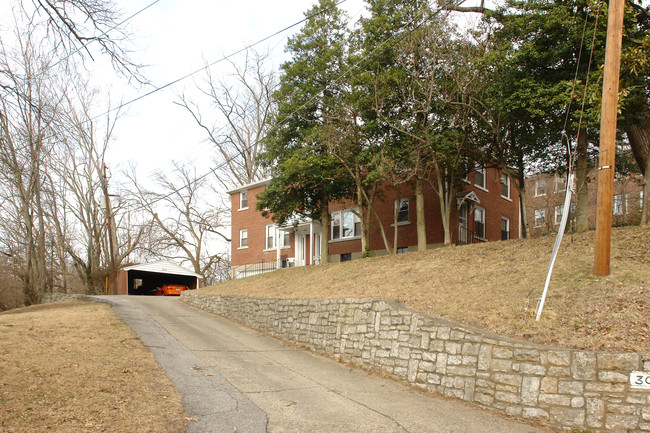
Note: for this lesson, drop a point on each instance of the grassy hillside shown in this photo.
(496, 286)
(76, 368)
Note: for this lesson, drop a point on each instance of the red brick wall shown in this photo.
(626, 187)
(490, 199)
(252, 220)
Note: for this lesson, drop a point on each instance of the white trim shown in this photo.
(249, 186)
(333, 241)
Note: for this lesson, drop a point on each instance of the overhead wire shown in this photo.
(375, 53)
(195, 153)
(83, 46)
(571, 164)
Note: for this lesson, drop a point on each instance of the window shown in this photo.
(243, 200)
(479, 223)
(540, 187)
(402, 209)
(346, 257)
(272, 234)
(617, 206)
(560, 184)
(505, 229)
(243, 238)
(479, 176)
(540, 217)
(345, 224)
(505, 186)
(402, 250)
(641, 200)
(558, 213)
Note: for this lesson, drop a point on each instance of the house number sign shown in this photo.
(640, 380)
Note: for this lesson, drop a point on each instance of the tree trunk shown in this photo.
(419, 211)
(582, 193)
(365, 229)
(646, 194)
(521, 190)
(639, 137)
(324, 237)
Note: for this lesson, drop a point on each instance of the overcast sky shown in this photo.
(177, 37)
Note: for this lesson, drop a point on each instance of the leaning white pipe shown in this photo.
(558, 241)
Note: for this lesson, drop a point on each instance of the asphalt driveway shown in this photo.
(235, 379)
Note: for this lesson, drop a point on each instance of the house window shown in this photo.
(243, 238)
(540, 217)
(540, 187)
(403, 250)
(402, 209)
(479, 176)
(558, 213)
(479, 223)
(560, 184)
(505, 186)
(346, 257)
(345, 224)
(272, 234)
(243, 200)
(617, 206)
(505, 229)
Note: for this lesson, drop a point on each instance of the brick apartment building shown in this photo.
(545, 202)
(486, 210)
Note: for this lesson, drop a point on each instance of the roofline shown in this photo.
(249, 186)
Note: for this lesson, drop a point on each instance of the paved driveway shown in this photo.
(235, 379)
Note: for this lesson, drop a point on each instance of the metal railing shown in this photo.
(261, 268)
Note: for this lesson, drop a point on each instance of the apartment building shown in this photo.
(487, 209)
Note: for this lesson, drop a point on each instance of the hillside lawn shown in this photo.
(77, 368)
(496, 286)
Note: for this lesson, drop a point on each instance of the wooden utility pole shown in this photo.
(111, 232)
(608, 113)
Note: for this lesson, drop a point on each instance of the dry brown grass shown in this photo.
(489, 286)
(77, 368)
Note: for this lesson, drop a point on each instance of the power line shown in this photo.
(374, 54)
(15, 89)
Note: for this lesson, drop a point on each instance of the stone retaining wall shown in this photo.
(571, 389)
(62, 297)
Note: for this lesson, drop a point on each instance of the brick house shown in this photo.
(486, 210)
(545, 202)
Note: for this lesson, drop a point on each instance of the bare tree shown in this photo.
(185, 225)
(26, 120)
(77, 212)
(244, 106)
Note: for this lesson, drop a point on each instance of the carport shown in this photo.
(142, 279)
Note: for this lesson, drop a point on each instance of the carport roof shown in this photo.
(162, 267)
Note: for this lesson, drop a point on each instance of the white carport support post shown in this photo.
(311, 243)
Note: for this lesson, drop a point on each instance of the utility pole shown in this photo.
(608, 113)
(111, 232)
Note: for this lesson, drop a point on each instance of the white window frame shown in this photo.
(479, 170)
(243, 238)
(560, 184)
(617, 205)
(505, 182)
(507, 221)
(559, 209)
(541, 217)
(398, 208)
(538, 183)
(284, 239)
(343, 216)
(243, 200)
(480, 211)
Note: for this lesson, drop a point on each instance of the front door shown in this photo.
(307, 251)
